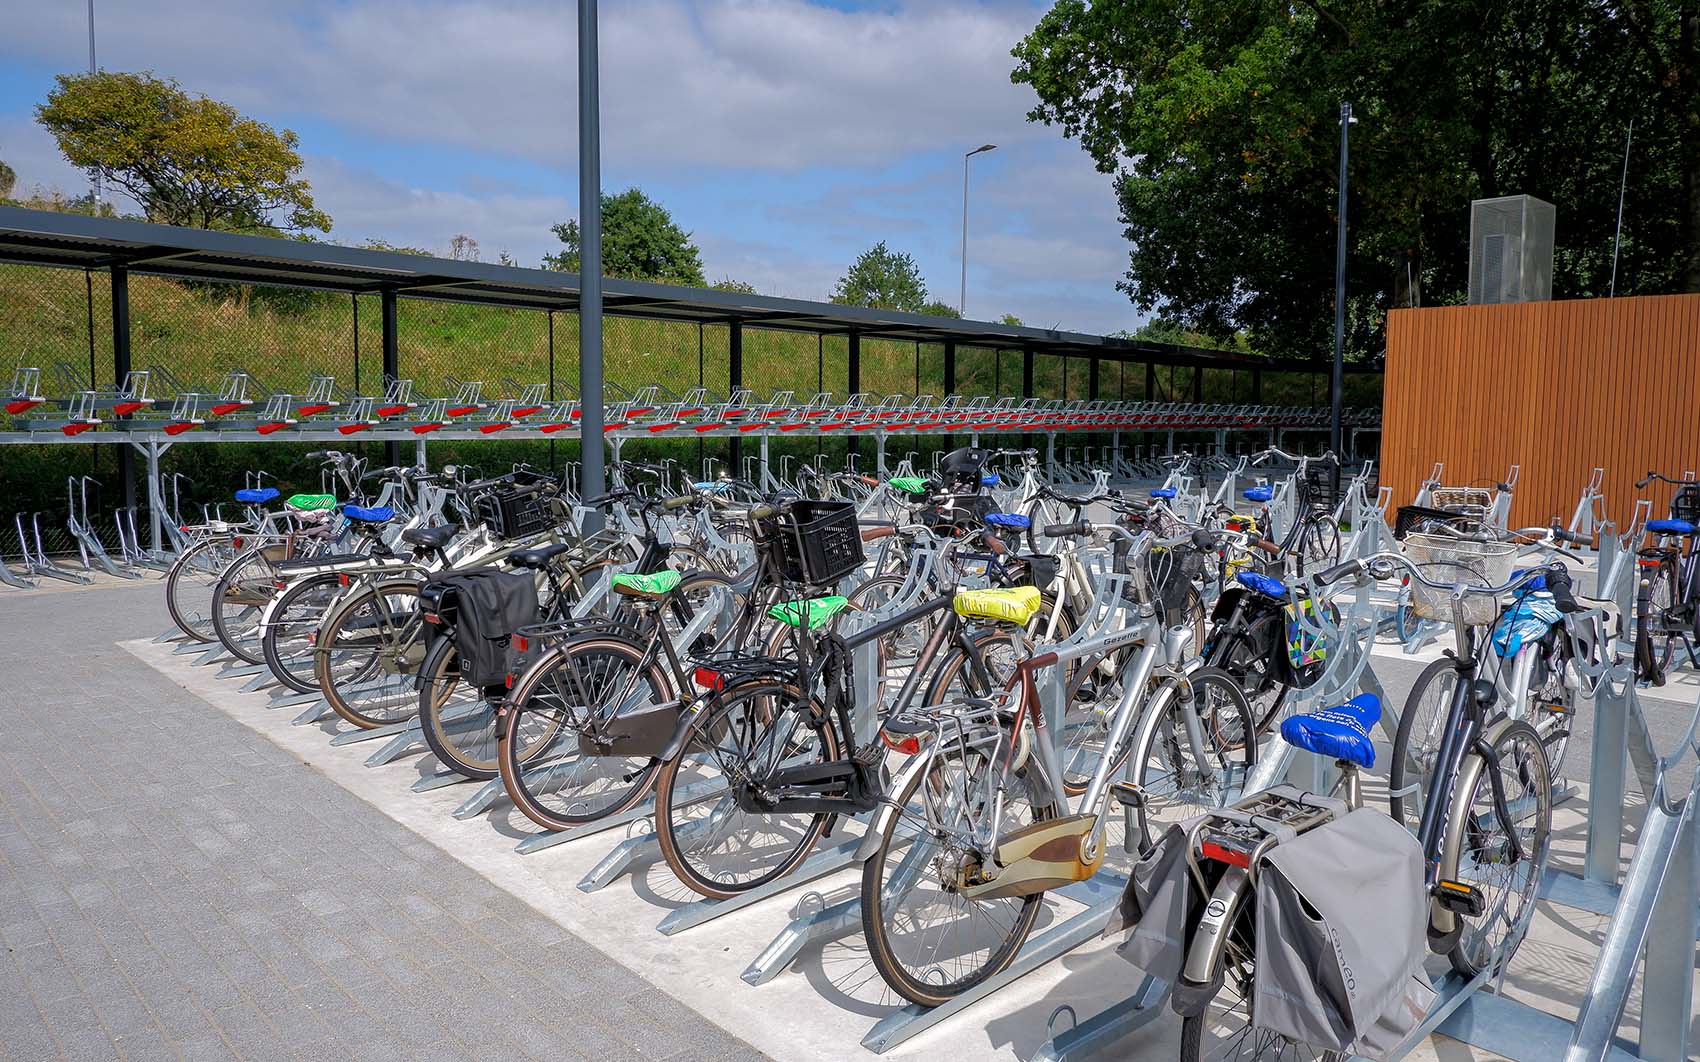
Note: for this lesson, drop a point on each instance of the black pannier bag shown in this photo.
(489, 606)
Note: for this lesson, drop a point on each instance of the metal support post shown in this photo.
(121, 370)
(591, 478)
(392, 360)
(735, 380)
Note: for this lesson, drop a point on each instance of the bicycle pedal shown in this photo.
(1127, 794)
(1460, 898)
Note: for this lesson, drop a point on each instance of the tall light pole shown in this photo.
(1337, 391)
(589, 260)
(96, 203)
(962, 300)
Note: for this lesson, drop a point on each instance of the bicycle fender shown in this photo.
(1443, 921)
(689, 720)
(888, 809)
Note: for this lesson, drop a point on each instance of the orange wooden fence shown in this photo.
(1556, 387)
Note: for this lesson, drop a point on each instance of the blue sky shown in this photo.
(787, 136)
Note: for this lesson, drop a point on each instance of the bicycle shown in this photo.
(1471, 824)
(1667, 600)
(1314, 535)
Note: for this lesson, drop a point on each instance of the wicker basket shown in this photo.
(1472, 500)
(1452, 560)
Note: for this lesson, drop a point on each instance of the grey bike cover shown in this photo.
(1341, 914)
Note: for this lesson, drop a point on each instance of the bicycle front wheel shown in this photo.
(367, 652)
(192, 582)
(1478, 850)
(243, 592)
(288, 638)
(1184, 774)
(928, 941)
(1416, 744)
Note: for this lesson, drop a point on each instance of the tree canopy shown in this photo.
(884, 279)
(640, 241)
(8, 180)
(1219, 120)
(188, 160)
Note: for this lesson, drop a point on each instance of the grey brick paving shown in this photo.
(172, 885)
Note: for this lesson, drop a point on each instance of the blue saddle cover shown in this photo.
(368, 516)
(1258, 494)
(1011, 520)
(1339, 733)
(1163, 492)
(1267, 585)
(1670, 527)
(990, 479)
(256, 496)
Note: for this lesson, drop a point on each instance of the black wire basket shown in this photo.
(514, 512)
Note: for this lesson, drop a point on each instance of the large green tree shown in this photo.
(188, 160)
(8, 180)
(884, 279)
(640, 241)
(1219, 120)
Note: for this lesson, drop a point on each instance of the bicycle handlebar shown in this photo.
(1384, 566)
(1651, 475)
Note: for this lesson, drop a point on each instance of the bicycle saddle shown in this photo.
(1015, 604)
(259, 496)
(655, 584)
(1010, 520)
(1267, 585)
(817, 611)
(1339, 733)
(361, 514)
(539, 557)
(1670, 527)
(1258, 494)
(430, 538)
(1163, 492)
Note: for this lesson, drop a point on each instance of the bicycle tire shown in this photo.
(669, 803)
(210, 556)
(1465, 958)
(236, 605)
(1408, 810)
(533, 725)
(1233, 741)
(346, 688)
(882, 950)
(953, 666)
(283, 640)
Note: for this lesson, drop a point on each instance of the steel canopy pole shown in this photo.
(1337, 391)
(591, 478)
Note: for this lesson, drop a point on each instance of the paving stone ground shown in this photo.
(172, 884)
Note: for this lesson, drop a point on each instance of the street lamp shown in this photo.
(962, 300)
(96, 200)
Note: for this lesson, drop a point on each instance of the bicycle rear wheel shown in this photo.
(547, 736)
(928, 941)
(1477, 850)
(367, 652)
(717, 843)
(1225, 1032)
(192, 582)
(288, 639)
(243, 592)
(1416, 744)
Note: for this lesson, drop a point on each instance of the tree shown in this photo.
(937, 308)
(738, 287)
(373, 243)
(188, 160)
(640, 241)
(463, 248)
(8, 180)
(1218, 120)
(884, 279)
(1010, 319)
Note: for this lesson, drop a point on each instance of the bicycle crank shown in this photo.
(1045, 855)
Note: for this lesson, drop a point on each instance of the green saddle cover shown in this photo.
(652, 585)
(909, 484)
(311, 503)
(818, 610)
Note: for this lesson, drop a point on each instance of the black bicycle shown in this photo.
(1667, 600)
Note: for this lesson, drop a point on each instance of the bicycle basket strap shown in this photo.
(1349, 980)
(818, 611)
(311, 503)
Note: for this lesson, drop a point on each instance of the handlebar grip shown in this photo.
(679, 502)
(1558, 585)
(1340, 571)
(1267, 545)
(1573, 537)
(316, 455)
(1206, 539)
(600, 500)
(995, 545)
(874, 534)
(762, 512)
(1079, 527)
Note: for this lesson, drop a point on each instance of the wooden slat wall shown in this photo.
(1557, 387)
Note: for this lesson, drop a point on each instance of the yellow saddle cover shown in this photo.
(1013, 605)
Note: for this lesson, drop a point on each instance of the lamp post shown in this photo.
(962, 300)
(1338, 388)
(96, 203)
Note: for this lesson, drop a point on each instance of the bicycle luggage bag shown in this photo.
(490, 605)
(1341, 920)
